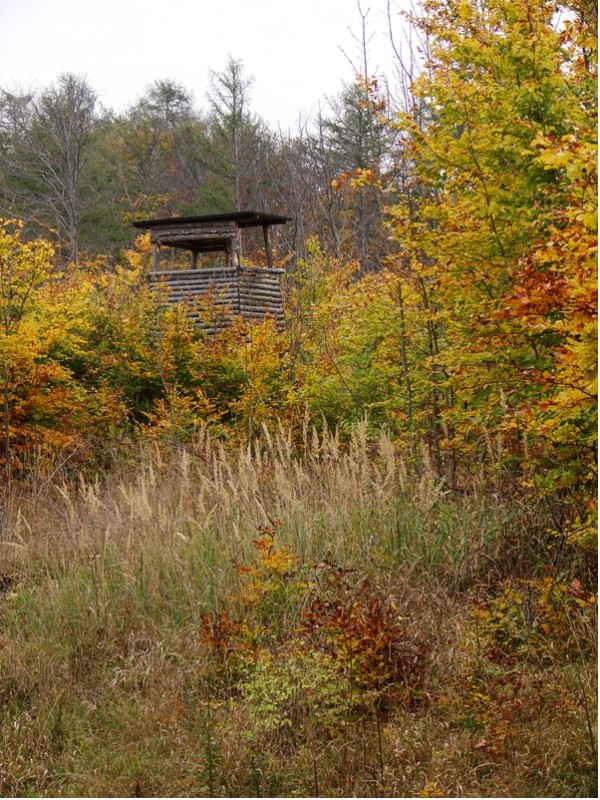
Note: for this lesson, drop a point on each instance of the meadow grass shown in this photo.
(114, 681)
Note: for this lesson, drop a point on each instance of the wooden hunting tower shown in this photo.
(248, 291)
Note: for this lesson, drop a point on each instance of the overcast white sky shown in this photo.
(291, 47)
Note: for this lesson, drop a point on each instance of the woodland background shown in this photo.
(415, 455)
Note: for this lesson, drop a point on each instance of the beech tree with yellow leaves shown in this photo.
(23, 269)
(498, 234)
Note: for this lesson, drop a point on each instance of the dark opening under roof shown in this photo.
(244, 219)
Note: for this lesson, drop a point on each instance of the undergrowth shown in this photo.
(285, 621)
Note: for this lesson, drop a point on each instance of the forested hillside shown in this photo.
(356, 556)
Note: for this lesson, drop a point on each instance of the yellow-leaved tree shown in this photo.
(497, 232)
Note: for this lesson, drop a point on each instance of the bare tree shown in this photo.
(46, 141)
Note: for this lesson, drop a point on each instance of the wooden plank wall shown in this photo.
(251, 292)
(171, 233)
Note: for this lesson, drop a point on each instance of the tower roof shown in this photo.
(243, 219)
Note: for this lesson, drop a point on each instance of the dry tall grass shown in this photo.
(358, 502)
